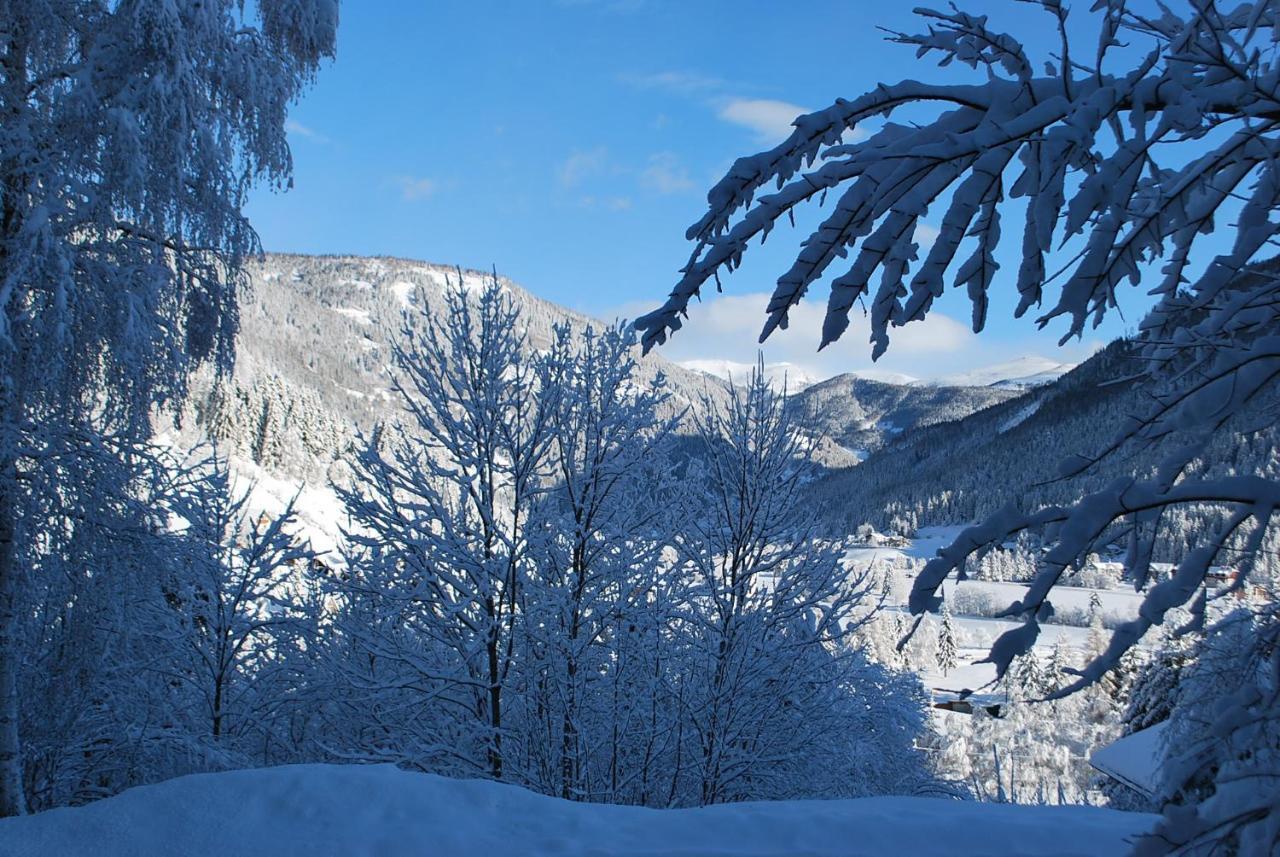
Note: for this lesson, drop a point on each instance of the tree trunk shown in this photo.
(493, 647)
(570, 764)
(217, 709)
(12, 801)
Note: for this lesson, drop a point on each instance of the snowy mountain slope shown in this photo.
(1022, 373)
(885, 376)
(315, 347)
(310, 810)
(314, 353)
(863, 414)
(961, 471)
(779, 374)
(964, 470)
(1019, 374)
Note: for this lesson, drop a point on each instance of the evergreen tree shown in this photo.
(947, 650)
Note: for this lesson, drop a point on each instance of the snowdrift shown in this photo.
(316, 810)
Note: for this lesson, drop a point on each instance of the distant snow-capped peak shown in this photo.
(1021, 373)
(796, 378)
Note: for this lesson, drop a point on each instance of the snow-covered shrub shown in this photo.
(1222, 754)
(532, 596)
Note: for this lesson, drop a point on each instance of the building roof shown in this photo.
(1134, 759)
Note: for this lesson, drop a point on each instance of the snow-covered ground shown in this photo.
(976, 633)
(317, 810)
(1023, 414)
(320, 514)
(361, 316)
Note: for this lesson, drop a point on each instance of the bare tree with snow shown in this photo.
(606, 517)
(234, 617)
(771, 606)
(444, 515)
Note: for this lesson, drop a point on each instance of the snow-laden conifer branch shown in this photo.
(1087, 156)
(1122, 167)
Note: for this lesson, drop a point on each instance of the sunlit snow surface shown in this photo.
(317, 810)
(975, 634)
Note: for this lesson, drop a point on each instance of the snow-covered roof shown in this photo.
(1134, 759)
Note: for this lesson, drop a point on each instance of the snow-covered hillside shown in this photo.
(794, 378)
(314, 810)
(314, 351)
(314, 355)
(1018, 374)
(1024, 372)
(863, 414)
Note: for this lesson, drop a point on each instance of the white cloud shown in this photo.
(581, 165)
(771, 120)
(611, 203)
(925, 235)
(727, 328)
(666, 174)
(673, 81)
(414, 188)
(293, 126)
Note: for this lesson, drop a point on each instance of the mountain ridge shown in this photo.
(314, 363)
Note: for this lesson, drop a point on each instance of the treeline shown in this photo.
(538, 585)
(1009, 453)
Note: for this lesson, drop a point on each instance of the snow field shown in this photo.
(975, 634)
(316, 810)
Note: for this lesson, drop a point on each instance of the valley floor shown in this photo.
(317, 810)
(975, 634)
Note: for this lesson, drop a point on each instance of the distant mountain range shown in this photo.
(1008, 450)
(313, 372)
(314, 354)
(1019, 374)
(780, 374)
(862, 415)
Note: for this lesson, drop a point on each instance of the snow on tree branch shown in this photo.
(1122, 159)
(1083, 152)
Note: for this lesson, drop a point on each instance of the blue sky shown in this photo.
(570, 144)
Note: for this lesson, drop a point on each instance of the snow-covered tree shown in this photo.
(1155, 687)
(947, 650)
(133, 132)
(443, 517)
(1125, 152)
(606, 513)
(769, 619)
(234, 616)
(95, 709)
(1221, 773)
